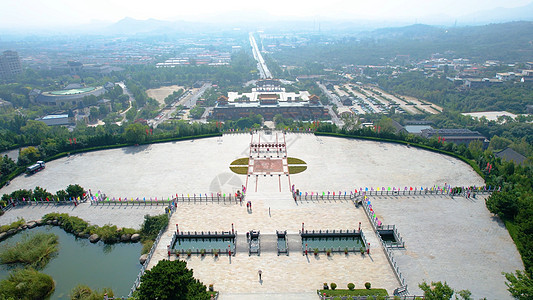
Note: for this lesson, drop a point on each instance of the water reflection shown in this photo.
(78, 261)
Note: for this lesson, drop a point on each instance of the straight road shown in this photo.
(261, 64)
(188, 100)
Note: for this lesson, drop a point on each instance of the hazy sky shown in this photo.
(18, 14)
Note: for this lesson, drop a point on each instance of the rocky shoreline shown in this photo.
(124, 238)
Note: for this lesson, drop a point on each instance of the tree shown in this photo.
(7, 165)
(28, 155)
(386, 125)
(35, 131)
(135, 133)
(504, 204)
(41, 194)
(499, 143)
(197, 112)
(437, 291)
(153, 224)
(520, 285)
(476, 148)
(171, 280)
(75, 191)
(464, 294)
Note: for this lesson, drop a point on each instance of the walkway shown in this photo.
(296, 273)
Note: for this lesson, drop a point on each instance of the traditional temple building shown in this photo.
(268, 99)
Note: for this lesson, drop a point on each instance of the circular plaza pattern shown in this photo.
(191, 167)
(447, 238)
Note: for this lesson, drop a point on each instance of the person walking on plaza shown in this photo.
(260, 273)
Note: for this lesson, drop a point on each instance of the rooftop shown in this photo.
(49, 117)
(490, 115)
(73, 91)
(511, 155)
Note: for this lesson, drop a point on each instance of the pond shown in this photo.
(332, 242)
(197, 244)
(78, 261)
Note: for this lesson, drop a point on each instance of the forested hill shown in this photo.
(507, 42)
(508, 96)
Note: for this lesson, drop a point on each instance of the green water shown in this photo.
(79, 261)
(388, 237)
(208, 244)
(282, 245)
(332, 243)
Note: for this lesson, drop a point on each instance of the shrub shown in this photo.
(83, 292)
(13, 225)
(80, 292)
(108, 233)
(351, 286)
(70, 224)
(333, 285)
(33, 250)
(74, 224)
(326, 286)
(153, 225)
(125, 230)
(26, 284)
(316, 251)
(147, 246)
(368, 285)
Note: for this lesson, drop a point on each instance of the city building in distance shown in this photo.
(72, 95)
(9, 64)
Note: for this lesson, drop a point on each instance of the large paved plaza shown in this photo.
(202, 166)
(447, 239)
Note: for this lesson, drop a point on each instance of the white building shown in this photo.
(53, 120)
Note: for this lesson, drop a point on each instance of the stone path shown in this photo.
(282, 274)
(456, 240)
(273, 210)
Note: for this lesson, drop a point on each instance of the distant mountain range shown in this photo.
(498, 15)
(252, 21)
(260, 20)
